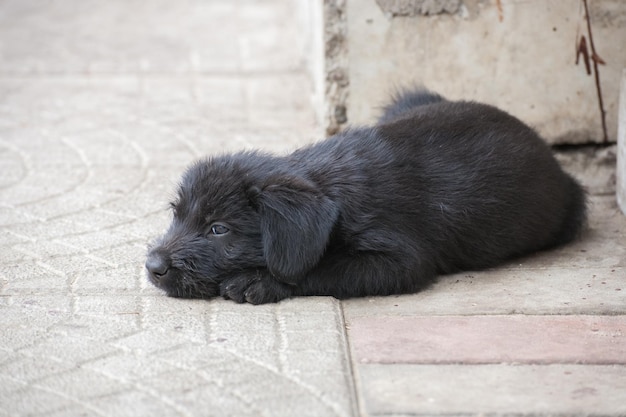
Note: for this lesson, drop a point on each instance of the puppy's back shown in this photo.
(491, 188)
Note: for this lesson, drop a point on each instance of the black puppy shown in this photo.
(435, 187)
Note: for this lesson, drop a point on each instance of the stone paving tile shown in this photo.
(109, 349)
(140, 37)
(39, 401)
(500, 390)
(517, 339)
(517, 332)
(102, 105)
(555, 291)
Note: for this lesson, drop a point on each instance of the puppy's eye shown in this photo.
(219, 229)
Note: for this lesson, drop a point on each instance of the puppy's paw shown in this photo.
(254, 288)
(267, 291)
(234, 288)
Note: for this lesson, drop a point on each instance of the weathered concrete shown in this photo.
(520, 57)
(515, 339)
(474, 390)
(99, 352)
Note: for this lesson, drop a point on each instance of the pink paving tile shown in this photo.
(489, 339)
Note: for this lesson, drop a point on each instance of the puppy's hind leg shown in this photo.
(368, 273)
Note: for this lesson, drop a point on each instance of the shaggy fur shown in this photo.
(435, 187)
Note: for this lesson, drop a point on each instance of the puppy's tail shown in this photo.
(576, 218)
(404, 101)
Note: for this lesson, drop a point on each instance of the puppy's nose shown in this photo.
(157, 265)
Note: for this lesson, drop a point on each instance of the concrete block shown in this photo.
(105, 282)
(141, 402)
(8, 386)
(563, 291)
(519, 56)
(493, 390)
(84, 42)
(42, 402)
(514, 339)
(27, 369)
(59, 347)
(92, 384)
(102, 306)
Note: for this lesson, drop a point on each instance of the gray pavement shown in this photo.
(102, 105)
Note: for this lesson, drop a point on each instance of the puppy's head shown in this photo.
(239, 213)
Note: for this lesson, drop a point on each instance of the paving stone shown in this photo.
(153, 340)
(96, 219)
(142, 403)
(8, 238)
(85, 44)
(28, 369)
(105, 305)
(403, 390)
(64, 268)
(38, 401)
(272, 101)
(9, 386)
(37, 310)
(19, 268)
(122, 281)
(98, 329)
(128, 368)
(47, 106)
(92, 384)
(9, 216)
(554, 291)
(513, 339)
(122, 254)
(63, 347)
(44, 230)
(47, 249)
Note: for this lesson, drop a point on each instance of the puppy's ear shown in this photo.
(296, 222)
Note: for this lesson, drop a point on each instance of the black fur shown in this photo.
(435, 187)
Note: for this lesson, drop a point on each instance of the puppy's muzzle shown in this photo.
(158, 267)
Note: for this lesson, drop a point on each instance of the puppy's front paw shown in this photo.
(266, 291)
(254, 288)
(234, 288)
